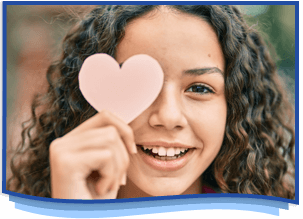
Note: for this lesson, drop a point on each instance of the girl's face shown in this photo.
(190, 111)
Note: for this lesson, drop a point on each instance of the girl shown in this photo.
(221, 120)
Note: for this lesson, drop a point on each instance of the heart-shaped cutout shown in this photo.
(125, 91)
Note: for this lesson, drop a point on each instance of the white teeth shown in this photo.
(170, 152)
(162, 151)
(155, 150)
(177, 150)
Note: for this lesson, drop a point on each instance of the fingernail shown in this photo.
(135, 149)
(123, 180)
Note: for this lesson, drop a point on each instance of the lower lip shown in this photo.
(165, 165)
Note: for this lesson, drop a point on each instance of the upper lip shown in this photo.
(165, 144)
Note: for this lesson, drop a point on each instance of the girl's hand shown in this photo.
(91, 161)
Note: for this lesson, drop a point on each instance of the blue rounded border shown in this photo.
(116, 209)
(137, 206)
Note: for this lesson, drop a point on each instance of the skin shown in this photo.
(179, 42)
(190, 109)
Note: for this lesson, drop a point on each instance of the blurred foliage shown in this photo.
(276, 23)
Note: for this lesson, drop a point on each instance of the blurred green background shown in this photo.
(34, 35)
(276, 23)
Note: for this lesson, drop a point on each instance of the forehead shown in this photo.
(165, 33)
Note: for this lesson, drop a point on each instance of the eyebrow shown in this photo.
(198, 71)
(201, 71)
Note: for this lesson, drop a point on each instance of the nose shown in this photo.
(167, 110)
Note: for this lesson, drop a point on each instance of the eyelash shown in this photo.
(205, 89)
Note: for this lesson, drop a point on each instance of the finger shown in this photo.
(112, 194)
(92, 180)
(79, 166)
(115, 186)
(95, 140)
(101, 176)
(103, 186)
(91, 139)
(105, 138)
(105, 118)
(87, 161)
(108, 178)
(123, 179)
(109, 172)
(121, 160)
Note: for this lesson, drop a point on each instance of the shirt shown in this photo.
(206, 189)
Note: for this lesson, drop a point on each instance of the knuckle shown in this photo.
(55, 142)
(65, 160)
(105, 113)
(58, 154)
(112, 134)
(109, 154)
(54, 146)
(61, 159)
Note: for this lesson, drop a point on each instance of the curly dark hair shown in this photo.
(257, 154)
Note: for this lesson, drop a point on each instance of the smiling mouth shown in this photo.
(165, 154)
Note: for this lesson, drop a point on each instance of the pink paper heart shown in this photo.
(125, 91)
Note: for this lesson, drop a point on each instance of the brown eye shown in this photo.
(200, 88)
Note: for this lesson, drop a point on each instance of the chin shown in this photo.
(146, 182)
(164, 191)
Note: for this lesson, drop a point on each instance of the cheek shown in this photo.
(208, 120)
